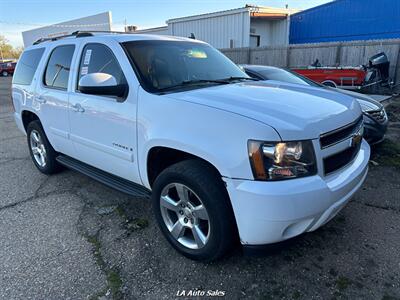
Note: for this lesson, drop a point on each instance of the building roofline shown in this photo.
(151, 28)
(318, 7)
(247, 8)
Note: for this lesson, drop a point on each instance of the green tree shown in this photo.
(7, 50)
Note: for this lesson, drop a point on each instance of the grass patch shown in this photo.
(121, 212)
(343, 283)
(114, 281)
(132, 224)
(137, 223)
(296, 295)
(387, 153)
(96, 250)
(393, 111)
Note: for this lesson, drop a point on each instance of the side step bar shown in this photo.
(108, 179)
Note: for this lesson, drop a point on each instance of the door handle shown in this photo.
(78, 108)
(40, 99)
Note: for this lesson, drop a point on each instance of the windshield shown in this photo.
(286, 76)
(175, 65)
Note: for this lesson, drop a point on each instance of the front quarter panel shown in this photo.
(215, 135)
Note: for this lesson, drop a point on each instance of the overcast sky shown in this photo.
(20, 15)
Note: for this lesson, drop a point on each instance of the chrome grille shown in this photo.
(340, 159)
(378, 115)
(336, 136)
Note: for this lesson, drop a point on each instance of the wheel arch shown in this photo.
(28, 116)
(161, 157)
(330, 83)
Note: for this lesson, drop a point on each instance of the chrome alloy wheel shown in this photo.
(185, 216)
(38, 148)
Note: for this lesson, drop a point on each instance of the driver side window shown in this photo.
(98, 58)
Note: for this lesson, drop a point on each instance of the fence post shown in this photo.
(338, 54)
(396, 78)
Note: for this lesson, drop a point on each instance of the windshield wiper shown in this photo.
(235, 78)
(193, 82)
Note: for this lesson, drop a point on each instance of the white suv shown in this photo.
(225, 157)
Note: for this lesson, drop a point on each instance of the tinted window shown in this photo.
(57, 70)
(164, 64)
(98, 58)
(281, 75)
(27, 66)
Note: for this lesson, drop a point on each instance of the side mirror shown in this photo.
(101, 84)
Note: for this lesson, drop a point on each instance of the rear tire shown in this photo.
(42, 153)
(5, 73)
(201, 210)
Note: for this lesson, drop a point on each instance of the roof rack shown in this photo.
(78, 34)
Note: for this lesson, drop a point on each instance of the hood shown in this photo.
(295, 111)
(366, 102)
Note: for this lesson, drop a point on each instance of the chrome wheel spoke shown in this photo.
(177, 230)
(199, 237)
(42, 160)
(200, 212)
(188, 224)
(35, 137)
(183, 192)
(35, 150)
(38, 148)
(169, 203)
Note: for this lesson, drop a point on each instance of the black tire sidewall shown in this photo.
(220, 233)
(51, 164)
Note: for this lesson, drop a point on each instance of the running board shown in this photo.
(108, 179)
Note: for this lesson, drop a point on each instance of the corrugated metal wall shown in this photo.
(216, 30)
(347, 20)
(155, 30)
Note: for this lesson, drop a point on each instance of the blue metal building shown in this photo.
(346, 20)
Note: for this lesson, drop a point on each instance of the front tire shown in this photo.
(193, 210)
(42, 153)
(5, 73)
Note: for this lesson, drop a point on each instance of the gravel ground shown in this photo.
(69, 237)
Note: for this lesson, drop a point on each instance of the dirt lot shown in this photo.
(69, 237)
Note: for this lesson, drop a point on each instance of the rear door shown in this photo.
(52, 96)
(24, 82)
(103, 128)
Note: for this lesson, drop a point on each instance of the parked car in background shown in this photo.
(7, 68)
(223, 157)
(374, 114)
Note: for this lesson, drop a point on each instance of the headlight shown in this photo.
(277, 161)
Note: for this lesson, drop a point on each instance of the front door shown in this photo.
(103, 128)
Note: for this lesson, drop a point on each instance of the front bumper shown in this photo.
(374, 132)
(270, 212)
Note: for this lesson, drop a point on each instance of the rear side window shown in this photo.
(27, 66)
(58, 67)
(98, 58)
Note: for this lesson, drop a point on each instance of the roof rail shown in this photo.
(77, 34)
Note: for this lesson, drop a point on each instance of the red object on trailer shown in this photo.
(348, 78)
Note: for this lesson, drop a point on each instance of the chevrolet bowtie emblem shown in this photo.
(357, 137)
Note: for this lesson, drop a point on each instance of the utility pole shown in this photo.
(1, 54)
